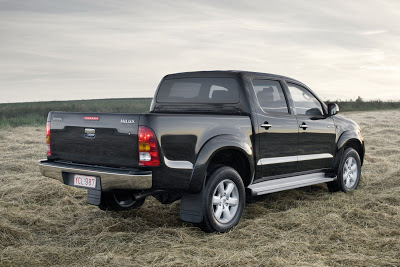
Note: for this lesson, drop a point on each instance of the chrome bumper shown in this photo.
(109, 178)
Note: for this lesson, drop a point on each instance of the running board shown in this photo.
(282, 184)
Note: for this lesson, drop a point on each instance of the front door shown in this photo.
(317, 133)
(277, 131)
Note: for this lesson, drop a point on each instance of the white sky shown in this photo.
(81, 49)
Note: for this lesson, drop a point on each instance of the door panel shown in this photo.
(317, 133)
(277, 130)
(316, 143)
(278, 144)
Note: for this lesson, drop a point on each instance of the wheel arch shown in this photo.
(351, 139)
(227, 150)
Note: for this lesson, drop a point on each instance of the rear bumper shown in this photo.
(110, 178)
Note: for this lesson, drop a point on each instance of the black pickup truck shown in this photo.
(212, 139)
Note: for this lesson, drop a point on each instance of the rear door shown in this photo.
(317, 133)
(277, 130)
(94, 138)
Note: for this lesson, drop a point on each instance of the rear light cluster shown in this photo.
(148, 149)
(48, 126)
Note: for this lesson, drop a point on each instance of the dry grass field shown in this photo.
(43, 222)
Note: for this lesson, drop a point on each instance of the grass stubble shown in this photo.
(43, 222)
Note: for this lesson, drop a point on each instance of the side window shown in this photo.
(270, 96)
(304, 101)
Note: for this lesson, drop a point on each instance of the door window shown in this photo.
(270, 96)
(305, 103)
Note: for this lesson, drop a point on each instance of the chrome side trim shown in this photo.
(109, 179)
(176, 164)
(267, 161)
(314, 156)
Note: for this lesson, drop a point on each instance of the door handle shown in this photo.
(266, 125)
(90, 133)
(303, 125)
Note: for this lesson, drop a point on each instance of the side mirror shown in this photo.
(333, 109)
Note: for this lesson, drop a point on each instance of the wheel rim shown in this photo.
(225, 201)
(350, 172)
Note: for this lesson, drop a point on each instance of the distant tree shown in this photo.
(359, 99)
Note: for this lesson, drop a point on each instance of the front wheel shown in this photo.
(223, 200)
(349, 172)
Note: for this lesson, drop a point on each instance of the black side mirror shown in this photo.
(333, 109)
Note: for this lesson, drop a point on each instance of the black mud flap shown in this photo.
(192, 207)
(94, 196)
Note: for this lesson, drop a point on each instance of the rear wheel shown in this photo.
(119, 200)
(224, 198)
(349, 172)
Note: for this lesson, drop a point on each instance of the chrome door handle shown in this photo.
(304, 126)
(266, 125)
(90, 133)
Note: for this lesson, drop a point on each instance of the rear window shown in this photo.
(199, 90)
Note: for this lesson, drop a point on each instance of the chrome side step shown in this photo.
(289, 183)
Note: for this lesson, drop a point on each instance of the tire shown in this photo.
(119, 201)
(223, 200)
(348, 174)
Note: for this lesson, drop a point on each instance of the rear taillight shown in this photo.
(147, 146)
(48, 138)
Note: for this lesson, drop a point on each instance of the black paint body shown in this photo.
(194, 133)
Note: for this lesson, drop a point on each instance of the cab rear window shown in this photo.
(199, 90)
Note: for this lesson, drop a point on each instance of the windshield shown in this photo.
(199, 90)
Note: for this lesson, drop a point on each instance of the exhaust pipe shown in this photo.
(143, 194)
(129, 200)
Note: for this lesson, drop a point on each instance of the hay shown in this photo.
(43, 222)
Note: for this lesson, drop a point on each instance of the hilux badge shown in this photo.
(127, 121)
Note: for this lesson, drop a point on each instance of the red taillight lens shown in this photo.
(48, 126)
(147, 146)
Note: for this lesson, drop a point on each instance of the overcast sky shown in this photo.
(81, 49)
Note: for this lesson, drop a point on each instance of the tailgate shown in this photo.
(106, 139)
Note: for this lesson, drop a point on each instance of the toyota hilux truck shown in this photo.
(212, 139)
